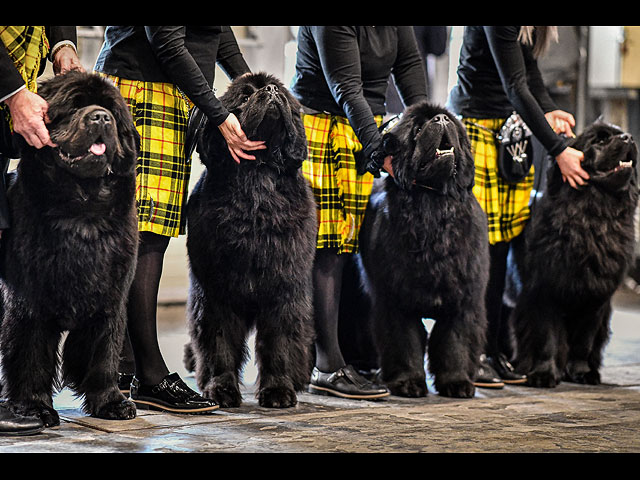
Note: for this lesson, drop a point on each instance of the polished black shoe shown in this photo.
(505, 370)
(346, 383)
(170, 395)
(14, 424)
(486, 376)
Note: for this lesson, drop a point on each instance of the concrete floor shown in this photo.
(517, 419)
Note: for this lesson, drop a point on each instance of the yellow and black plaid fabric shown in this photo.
(160, 112)
(506, 205)
(27, 46)
(341, 194)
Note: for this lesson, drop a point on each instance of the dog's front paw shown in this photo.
(225, 395)
(581, 372)
(459, 389)
(277, 397)
(47, 414)
(117, 410)
(542, 379)
(412, 388)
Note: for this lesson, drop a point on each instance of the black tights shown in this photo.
(495, 290)
(327, 285)
(141, 354)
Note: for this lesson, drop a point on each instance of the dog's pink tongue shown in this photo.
(98, 148)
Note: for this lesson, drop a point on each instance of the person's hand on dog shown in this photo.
(570, 159)
(569, 163)
(387, 165)
(237, 141)
(29, 114)
(66, 59)
(562, 122)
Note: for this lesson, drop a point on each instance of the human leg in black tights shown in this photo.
(495, 289)
(143, 351)
(327, 285)
(331, 375)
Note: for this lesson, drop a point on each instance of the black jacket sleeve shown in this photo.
(515, 69)
(10, 78)
(56, 34)
(168, 44)
(408, 70)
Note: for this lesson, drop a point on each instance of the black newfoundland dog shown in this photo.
(424, 254)
(251, 244)
(69, 256)
(579, 244)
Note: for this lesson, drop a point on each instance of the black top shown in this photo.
(185, 56)
(344, 70)
(497, 74)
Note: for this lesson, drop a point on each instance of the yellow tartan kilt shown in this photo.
(506, 205)
(341, 194)
(160, 113)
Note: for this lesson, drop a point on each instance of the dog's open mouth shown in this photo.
(441, 153)
(97, 149)
(622, 165)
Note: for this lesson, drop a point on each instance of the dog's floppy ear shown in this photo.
(128, 136)
(296, 147)
(391, 143)
(212, 146)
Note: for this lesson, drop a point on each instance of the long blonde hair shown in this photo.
(543, 37)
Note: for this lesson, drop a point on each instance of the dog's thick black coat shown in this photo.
(579, 243)
(251, 230)
(69, 257)
(424, 253)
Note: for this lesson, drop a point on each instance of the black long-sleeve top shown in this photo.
(497, 74)
(344, 70)
(185, 56)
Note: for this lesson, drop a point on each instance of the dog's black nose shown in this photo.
(271, 89)
(100, 116)
(441, 118)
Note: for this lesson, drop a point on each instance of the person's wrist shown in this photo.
(376, 162)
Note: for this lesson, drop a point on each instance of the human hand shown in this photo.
(66, 59)
(561, 122)
(387, 165)
(236, 139)
(569, 163)
(29, 114)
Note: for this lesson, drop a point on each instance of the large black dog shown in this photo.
(251, 243)
(69, 256)
(578, 246)
(424, 253)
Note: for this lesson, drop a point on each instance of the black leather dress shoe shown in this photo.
(14, 424)
(486, 376)
(505, 370)
(346, 383)
(170, 395)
